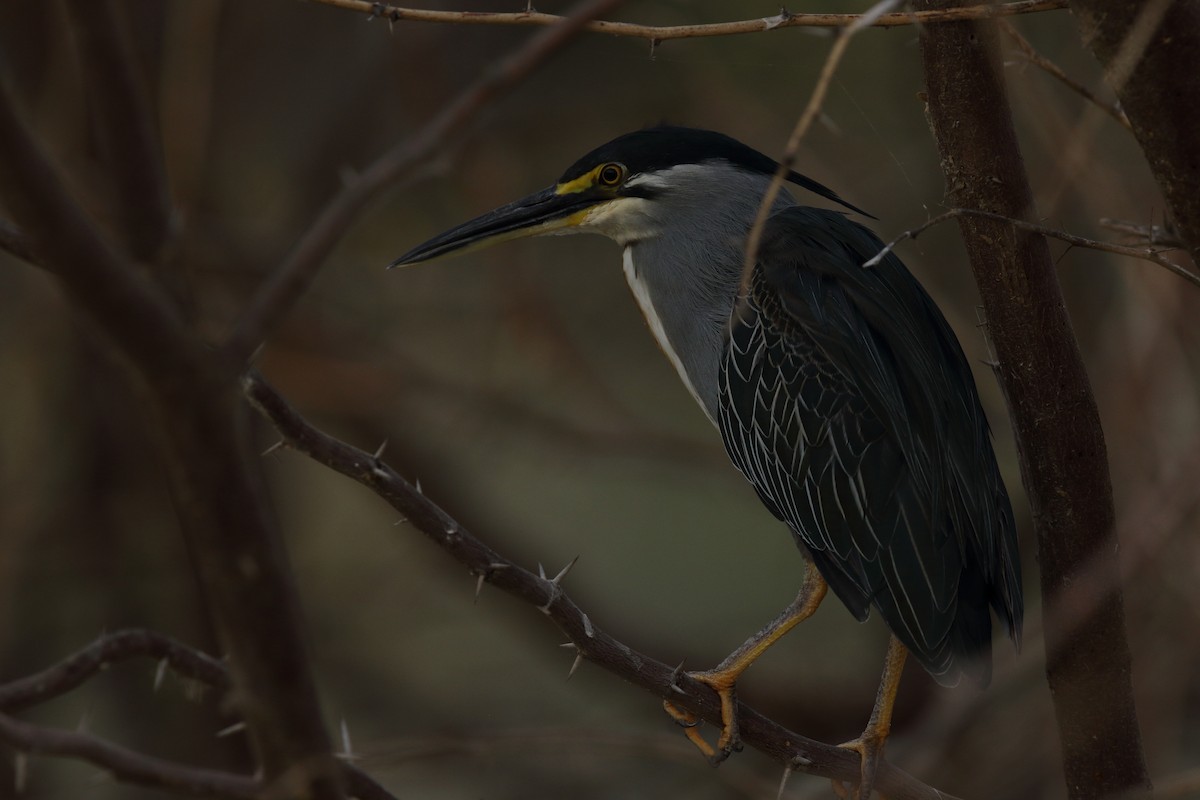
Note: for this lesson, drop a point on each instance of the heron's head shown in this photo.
(627, 189)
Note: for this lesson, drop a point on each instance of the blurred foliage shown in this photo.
(520, 386)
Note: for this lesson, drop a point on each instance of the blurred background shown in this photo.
(521, 387)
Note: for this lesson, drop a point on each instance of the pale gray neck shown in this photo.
(686, 277)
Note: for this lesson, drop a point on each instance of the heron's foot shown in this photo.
(723, 683)
(869, 747)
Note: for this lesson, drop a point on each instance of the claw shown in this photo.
(729, 741)
(870, 751)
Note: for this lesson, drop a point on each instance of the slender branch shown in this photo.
(547, 595)
(1150, 254)
(788, 160)
(1141, 45)
(660, 33)
(126, 765)
(290, 280)
(125, 126)
(59, 234)
(73, 670)
(1165, 236)
(1052, 69)
(15, 243)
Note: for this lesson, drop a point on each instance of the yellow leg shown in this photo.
(723, 679)
(869, 745)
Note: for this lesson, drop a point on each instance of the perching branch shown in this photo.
(546, 594)
(1152, 254)
(290, 280)
(660, 33)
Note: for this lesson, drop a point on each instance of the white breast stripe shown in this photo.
(641, 293)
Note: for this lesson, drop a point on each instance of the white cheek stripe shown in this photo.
(641, 293)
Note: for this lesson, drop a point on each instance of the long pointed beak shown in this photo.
(540, 213)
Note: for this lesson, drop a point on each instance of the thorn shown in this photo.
(418, 486)
(393, 18)
(347, 750)
(277, 446)
(452, 529)
(587, 626)
(376, 10)
(379, 452)
(575, 665)
(160, 673)
(496, 566)
(557, 579)
(20, 772)
(236, 727)
(675, 673)
(541, 571)
(787, 773)
(401, 521)
(479, 585)
(569, 645)
(654, 43)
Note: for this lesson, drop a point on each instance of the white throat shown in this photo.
(641, 293)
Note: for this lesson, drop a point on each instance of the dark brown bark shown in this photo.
(1063, 457)
(1150, 51)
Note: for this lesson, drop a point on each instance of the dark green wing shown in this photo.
(845, 399)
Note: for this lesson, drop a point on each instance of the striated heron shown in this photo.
(840, 392)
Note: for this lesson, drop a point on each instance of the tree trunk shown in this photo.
(1150, 51)
(1063, 457)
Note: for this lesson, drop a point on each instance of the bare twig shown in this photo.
(1052, 69)
(589, 640)
(15, 243)
(125, 764)
(1141, 46)
(289, 281)
(659, 33)
(1151, 254)
(125, 126)
(788, 159)
(57, 232)
(117, 646)
(1165, 235)
(232, 534)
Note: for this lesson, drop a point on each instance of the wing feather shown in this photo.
(845, 399)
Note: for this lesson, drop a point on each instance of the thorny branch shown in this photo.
(125, 764)
(660, 33)
(1152, 254)
(78, 667)
(547, 595)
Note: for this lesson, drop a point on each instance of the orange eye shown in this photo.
(611, 175)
